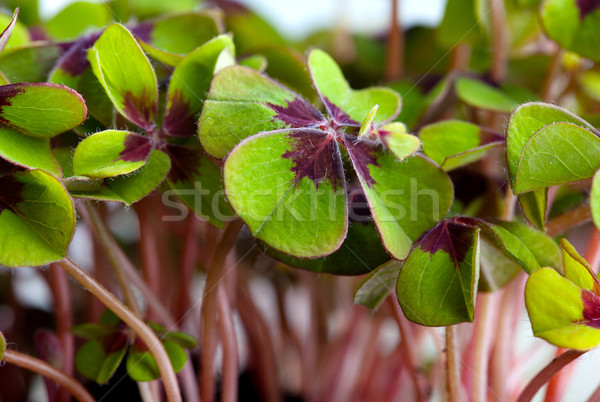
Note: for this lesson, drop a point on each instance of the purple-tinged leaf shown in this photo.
(10, 192)
(137, 148)
(315, 156)
(185, 162)
(453, 238)
(300, 207)
(41, 109)
(586, 7)
(126, 74)
(591, 309)
(74, 62)
(298, 113)
(5, 35)
(437, 284)
(111, 153)
(393, 189)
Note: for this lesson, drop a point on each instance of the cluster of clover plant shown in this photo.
(459, 182)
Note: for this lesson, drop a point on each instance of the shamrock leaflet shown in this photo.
(286, 177)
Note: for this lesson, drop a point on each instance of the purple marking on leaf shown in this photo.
(185, 162)
(489, 136)
(140, 110)
(316, 155)
(451, 237)
(74, 61)
(591, 309)
(298, 113)
(338, 115)
(179, 119)
(586, 7)
(10, 192)
(116, 341)
(7, 92)
(144, 31)
(137, 148)
(363, 152)
(231, 7)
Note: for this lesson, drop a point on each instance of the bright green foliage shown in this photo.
(287, 65)
(293, 214)
(14, 34)
(376, 286)
(438, 286)
(454, 143)
(555, 309)
(41, 110)
(595, 199)
(170, 38)
(360, 253)
(2, 345)
(126, 74)
(406, 199)
(78, 18)
(483, 96)
(563, 310)
(39, 221)
(27, 151)
(256, 62)
(532, 129)
(545, 250)
(573, 25)
(558, 153)
(235, 108)
(332, 86)
(191, 79)
(132, 187)
(534, 205)
(104, 154)
(395, 138)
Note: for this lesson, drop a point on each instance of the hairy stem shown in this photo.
(59, 286)
(46, 370)
(547, 373)
(209, 309)
(148, 336)
(453, 385)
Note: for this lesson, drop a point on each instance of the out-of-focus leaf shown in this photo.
(376, 286)
(37, 219)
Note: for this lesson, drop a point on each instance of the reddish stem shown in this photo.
(261, 343)
(547, 373)
(48, 371)
(209, 309)
(59, 286)
(230, 349)
(409, 348)
(395, 46)
(188, 262)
